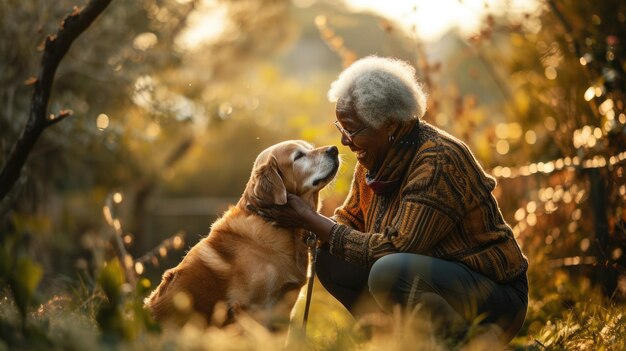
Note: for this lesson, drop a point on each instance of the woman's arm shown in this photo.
(417, 227)
(297, 214)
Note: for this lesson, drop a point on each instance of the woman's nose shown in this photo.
(344, 140)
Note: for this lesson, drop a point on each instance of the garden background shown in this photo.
(113, 164)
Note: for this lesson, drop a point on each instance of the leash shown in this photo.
(311, 244)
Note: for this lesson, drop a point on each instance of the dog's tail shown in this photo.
(159, 302)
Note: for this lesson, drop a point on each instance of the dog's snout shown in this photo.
(332, 151)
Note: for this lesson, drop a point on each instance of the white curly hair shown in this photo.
(380, 90)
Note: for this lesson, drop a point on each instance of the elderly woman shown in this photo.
(420, 224)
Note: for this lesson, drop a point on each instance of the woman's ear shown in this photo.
(268, 186)
(392, 126)
(391, 129)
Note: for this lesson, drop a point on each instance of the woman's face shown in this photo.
(368, 144)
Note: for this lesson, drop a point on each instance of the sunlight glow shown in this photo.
(205, 25)
(432, 19)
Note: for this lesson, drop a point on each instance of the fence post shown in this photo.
(599, 203)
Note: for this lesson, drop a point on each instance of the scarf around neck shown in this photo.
(390, 174)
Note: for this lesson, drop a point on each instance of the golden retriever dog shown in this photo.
(247, 263)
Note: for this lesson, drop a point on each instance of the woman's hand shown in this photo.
(297, 214)
(294, 214)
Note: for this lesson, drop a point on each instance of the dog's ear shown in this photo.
(269, 186)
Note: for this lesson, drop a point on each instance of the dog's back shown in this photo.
(244, 262)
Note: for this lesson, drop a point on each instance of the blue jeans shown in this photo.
(448, 290)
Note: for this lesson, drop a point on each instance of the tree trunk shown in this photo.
(599, 202)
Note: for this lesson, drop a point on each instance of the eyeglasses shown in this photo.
(347, 134)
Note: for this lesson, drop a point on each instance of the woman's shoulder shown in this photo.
(445, 153)
(436, 147)
(448, 147)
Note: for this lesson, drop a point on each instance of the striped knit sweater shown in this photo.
(444, 208)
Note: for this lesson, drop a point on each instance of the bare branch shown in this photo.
(55, 48)
(63, 114)
(9, 201)
(174, 242)
(116, 238)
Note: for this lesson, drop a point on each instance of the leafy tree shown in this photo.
(568, 76)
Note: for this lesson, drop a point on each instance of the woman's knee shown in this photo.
(397, 279)
(399, 270)
(383, 274)
(346, 282)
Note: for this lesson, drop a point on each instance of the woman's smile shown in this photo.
(360, 154)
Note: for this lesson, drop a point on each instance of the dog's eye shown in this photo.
(299, 154)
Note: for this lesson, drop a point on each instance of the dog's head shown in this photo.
(293, 166)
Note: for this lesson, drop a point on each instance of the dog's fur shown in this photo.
(246, 263)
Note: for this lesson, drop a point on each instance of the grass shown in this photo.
(564, 314)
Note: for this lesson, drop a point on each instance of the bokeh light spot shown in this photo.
(530, 137)
(502, 147)
(117, 197)
(550, 73)
(139, 268)
(531, 219)
(502, 131)
(145, 41)
(589, 93)
(102, 121)
(550, 123)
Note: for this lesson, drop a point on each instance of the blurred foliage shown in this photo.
(20, 274)
(574, 217)
(114, 312)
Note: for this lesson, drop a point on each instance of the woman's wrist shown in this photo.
(321, 226)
